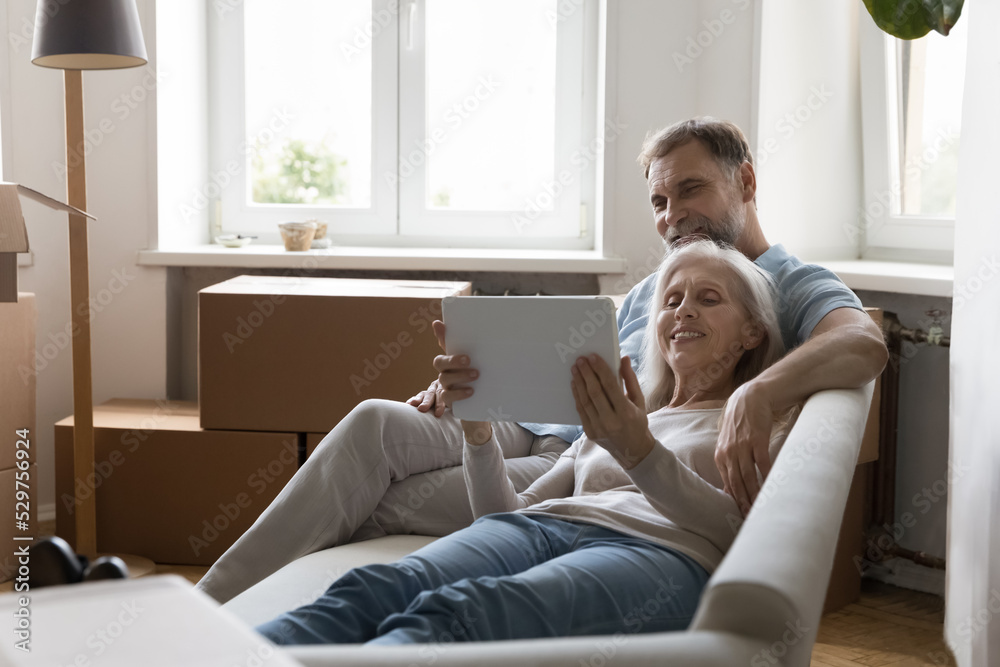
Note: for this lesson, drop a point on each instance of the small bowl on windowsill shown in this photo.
(319, 240)
(297, 236)
(234, 240)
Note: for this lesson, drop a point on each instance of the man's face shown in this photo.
(691, 194)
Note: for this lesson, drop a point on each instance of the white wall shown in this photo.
(128, 327)
(809, 134)
(670, 61)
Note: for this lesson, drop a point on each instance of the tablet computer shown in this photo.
(523, 348)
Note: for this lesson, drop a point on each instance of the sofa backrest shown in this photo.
(772, 583)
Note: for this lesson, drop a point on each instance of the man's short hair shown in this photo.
(724, 140)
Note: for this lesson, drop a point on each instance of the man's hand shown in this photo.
(436, 397)
(614, 419)
(744, 437)
(451, 385)
(845, 350)
(429, 399)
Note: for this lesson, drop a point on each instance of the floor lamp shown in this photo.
(72, 36)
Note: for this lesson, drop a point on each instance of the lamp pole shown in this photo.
(79, 283)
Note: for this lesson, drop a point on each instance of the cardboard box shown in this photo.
(279, 353)
(845, 576)
(13, 509)
(167, 489)
(14, 233)
(312, 442)
(17, 377)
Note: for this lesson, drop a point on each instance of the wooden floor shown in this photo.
(887, 627)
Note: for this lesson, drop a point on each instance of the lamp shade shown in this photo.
(88, 34)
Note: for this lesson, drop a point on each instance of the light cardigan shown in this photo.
(673, 497)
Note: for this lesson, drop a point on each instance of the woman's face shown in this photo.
(700, 328)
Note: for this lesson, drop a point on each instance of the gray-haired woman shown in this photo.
(622, 534)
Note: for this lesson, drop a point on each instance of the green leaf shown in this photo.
(912, 19)
(905, 19)
(942, 14)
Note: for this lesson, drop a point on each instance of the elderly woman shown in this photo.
(622, 533)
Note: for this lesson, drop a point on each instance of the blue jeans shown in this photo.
(507, 576)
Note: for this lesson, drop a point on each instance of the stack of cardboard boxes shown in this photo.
(18, 470)
(280, 361)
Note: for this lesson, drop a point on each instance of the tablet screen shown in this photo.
(523, 348)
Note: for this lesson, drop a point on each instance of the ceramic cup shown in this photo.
(297, 235)
(320, 229)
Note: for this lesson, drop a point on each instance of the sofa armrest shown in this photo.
(772, 583)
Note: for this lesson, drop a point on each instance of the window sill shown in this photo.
(897, 277)
(388, 259)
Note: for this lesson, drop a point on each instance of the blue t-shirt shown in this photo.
(806, 293)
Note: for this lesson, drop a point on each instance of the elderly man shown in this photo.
(358, 483)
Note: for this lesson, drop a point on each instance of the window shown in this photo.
(911, 111)
(417, 122)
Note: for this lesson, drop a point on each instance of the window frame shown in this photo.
(398, 216)
(884, 233)
(227, 140)
(417, 220)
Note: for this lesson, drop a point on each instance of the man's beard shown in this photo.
(726, 230)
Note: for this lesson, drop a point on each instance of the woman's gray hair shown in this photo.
(752, 288)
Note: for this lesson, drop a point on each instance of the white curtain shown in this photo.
(973, 577)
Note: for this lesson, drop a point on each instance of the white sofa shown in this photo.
(762, 606)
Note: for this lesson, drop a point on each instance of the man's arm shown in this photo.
(846, 350)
